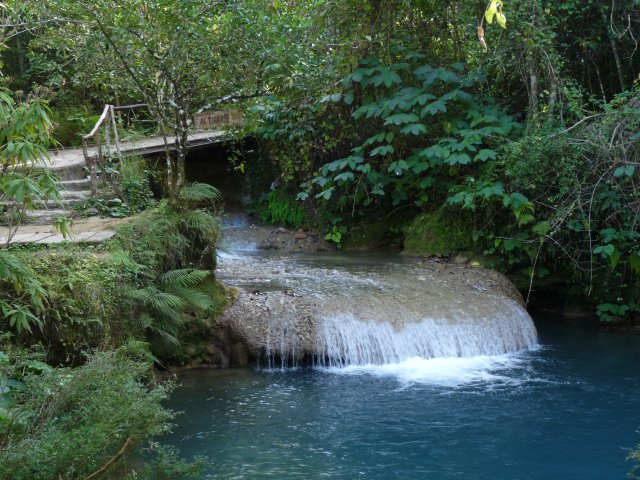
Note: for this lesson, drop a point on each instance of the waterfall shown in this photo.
(345, 340)
(360, 309)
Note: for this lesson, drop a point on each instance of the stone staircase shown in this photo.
(75, 189)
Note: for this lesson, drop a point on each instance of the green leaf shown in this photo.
(414, 129)
(382, 150)
(459, 158)
(344, 176)
(614, 258)
(433, 108)
(604, 250)
(326, 194)
(401, 118)
(634, 262)
(435, 151)
(541, 228)
(348, 98)
(624, 171)
(485, 154)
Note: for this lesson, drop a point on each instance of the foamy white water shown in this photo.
(447, 372)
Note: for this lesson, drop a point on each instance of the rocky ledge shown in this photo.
(289, 322)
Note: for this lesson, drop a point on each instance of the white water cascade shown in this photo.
(344, 340)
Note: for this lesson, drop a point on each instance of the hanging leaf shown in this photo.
(494, 10)
(491, 11)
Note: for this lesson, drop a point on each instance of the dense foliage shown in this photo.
(506, 131)
(140, 285)
(85, 422)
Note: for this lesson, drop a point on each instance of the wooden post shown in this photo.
(92, 169)
(107, 136)
(112, 182)
(116, 138)
(99, 145)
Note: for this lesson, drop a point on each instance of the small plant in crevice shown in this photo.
(336, 234)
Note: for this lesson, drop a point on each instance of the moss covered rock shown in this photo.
(436, 235)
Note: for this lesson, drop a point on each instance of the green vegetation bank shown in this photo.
(505, 133)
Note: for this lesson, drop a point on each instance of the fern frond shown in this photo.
(165, 335)
(195, 298)
(199, 220)
(157, 300)
(200, 192)
(185, 277)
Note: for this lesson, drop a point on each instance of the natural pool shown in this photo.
(568, 410)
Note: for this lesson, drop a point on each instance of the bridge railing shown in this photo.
(107, 124)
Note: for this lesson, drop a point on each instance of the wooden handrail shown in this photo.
(130, 107)
(108, 119)
(102, 118)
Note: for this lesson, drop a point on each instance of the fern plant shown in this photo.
(163, 304)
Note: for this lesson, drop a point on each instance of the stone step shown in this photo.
(75, 185)
(46, 217)
(54, 237)
(72, 195)
(73, 172)
(50, 212)
(65, 203)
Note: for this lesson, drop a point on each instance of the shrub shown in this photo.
(72, 423)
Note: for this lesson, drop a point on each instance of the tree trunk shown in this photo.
(182, 146)
(616, 56)
(533, 88)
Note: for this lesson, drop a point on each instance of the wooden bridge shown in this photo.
(71, 164)
(105, 139)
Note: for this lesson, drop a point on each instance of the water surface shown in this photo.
(568, 410)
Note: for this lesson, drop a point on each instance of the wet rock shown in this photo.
(282, 324)
(290, 322)
(299, 241)
(300, 235)
(239, 355)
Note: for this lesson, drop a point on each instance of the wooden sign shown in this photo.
(217, 119)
